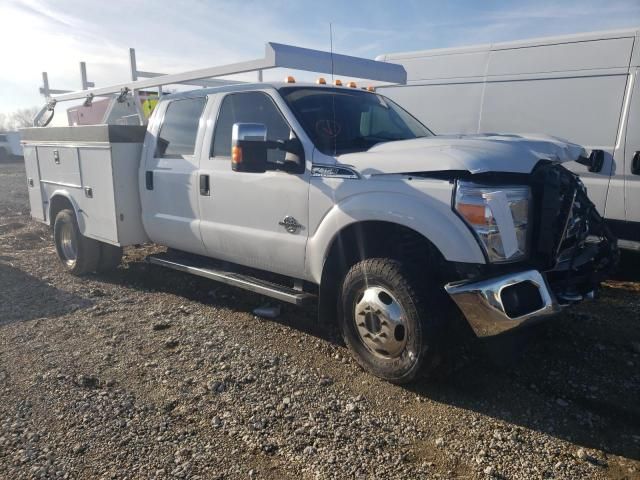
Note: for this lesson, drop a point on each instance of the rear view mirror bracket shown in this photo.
(593, 162)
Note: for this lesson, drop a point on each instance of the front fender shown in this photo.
(426, 215)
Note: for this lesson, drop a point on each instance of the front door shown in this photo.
(169, 187)
(244, 215)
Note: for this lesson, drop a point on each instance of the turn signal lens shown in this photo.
(474, 214)
(290, 79)
(236, 154)
(321, 81)
(499, 216)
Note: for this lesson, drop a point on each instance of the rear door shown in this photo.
(242, 213)
(632, 161)
(169, 187)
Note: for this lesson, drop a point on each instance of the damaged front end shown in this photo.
(571, 241)
(570, 252)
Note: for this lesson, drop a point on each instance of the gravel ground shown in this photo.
(149, 373)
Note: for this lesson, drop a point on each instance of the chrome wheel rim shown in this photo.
(380, 322)
(68, 244)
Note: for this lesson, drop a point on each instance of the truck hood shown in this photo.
(472, 153)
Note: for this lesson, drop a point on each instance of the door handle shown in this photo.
(148, 179)
(204, 185)
(635, 163)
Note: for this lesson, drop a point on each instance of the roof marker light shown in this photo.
(321, 81)
(370, 89)
(352, 84)
(338, 82)
(290, 79)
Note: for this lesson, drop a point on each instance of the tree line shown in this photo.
(20, 118)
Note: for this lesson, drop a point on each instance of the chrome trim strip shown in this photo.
(566, 222)
(333, 171)
(61, 184)
(625, 110)
(482, 305)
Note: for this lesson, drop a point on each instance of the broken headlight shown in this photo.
(498, 215)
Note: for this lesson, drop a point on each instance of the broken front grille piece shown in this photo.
(571, 240)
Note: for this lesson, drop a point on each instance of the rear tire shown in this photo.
(77, 253)
(110, 257)
(4, 155)
(391, 322)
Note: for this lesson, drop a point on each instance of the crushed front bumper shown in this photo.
(572, 252)
(499, 304)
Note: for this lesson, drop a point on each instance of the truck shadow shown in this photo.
(629, 267)
(24, 297)
(577, 379)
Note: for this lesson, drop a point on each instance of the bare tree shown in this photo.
(22, 118)
(3, 122)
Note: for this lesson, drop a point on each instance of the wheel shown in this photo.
(78, 254)
(4, 156)
(110, 257)
(391, 322)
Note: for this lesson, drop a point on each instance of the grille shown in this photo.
(558, 220)
(572, 244)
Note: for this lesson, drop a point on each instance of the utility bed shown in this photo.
(95, 167)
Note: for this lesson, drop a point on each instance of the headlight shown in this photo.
(499, 215)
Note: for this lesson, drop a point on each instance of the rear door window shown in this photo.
(177, 136)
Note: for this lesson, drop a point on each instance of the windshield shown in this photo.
(361, 119)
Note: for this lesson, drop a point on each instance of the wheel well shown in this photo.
(57, 203)
(372, 239)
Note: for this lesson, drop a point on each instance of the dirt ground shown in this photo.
(150, 373)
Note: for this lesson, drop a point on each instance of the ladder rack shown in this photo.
(277, 55)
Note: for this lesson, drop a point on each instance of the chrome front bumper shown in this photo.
(503, 303)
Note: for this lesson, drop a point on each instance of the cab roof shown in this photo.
(243, 87)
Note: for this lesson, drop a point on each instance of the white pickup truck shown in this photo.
(335, 195)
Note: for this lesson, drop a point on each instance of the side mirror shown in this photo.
(249, 147)
(594, 162)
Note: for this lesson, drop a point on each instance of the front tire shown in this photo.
(77, 253)
(390, 321)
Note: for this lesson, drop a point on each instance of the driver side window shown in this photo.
(249, 107)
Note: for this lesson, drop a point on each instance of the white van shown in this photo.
(584, 88)
(10, 147)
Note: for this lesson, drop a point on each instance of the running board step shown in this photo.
(263, 287)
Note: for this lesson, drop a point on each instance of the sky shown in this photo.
(171, 36)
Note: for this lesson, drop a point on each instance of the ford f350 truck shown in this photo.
(333, 195)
